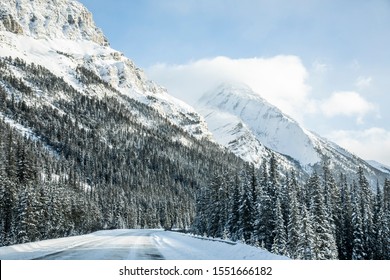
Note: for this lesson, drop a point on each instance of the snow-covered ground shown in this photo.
(135, 244)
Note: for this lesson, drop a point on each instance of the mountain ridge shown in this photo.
(55, 19)
(63, 47)
(240, 119)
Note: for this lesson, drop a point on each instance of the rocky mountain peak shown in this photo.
(264, 121)
(51, 19)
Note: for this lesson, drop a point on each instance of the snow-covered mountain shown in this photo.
(55, 19)
(380, 166)
(62, 36)
(84, 127)
(248, 125)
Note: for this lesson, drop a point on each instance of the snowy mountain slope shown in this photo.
(135, 245)
(62, 37)
(98, 135)
(250, 127)
(56, 19)
(379, 166)
(234, 111)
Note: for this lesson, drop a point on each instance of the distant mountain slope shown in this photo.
(250, 126)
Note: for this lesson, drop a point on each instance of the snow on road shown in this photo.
(134, 244)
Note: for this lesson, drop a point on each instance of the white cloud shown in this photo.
(363, 82)
(372, 143)
(281, 80)
(320, 67)
(347, 103)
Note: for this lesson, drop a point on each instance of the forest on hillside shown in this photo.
(72, 163)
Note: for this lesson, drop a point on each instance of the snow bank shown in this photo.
(130, 244)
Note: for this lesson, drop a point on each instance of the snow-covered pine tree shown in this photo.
(266, 214)
(285, 197)
(383, 235)
(324, 242)
(3, 190)
(366, 198)
(382, 224)
(345, 246)
(358, 252)
(7, 190)
(378, 205)
(294, 225)
(201, 218)
(246, 210)
(217, 208)
(332, 202)
(279, 245)
(386, 194)
(305, 244)
(234, 210)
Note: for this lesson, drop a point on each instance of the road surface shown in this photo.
(134, 244)
(131, 245)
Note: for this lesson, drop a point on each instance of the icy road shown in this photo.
(134, 244)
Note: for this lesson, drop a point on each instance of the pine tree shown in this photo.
(332, 202)
(201, 217)
(386, 194)
(324, 243)
(382, 223)
(7, 193)
(234, 214)
(358, 252)
(345, 249)
(306, 241)
(280, 240)
(267, 200)
(293, 225)
(26, 223)
(376, 222)
(246, 211)
(217, 210)
(366, 201)
(3, 190)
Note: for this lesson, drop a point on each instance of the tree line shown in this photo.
(320, 218)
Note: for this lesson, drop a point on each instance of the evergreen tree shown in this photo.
(345, 246)
(324, 243)
(386, 194)
(366, 202)
(358, 252)
(382, 223)
(217, 210)
(280, 240)
(234, 215)
(246, 211)
(306, 241)
(294, 225)
(266, 213)
(332, 202)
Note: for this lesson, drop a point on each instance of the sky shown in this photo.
(325, 63)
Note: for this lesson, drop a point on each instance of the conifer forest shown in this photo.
(84, 162)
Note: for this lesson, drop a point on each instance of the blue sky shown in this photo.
(326, 63)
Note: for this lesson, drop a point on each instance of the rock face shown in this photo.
(8, 23)
(52, 19)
